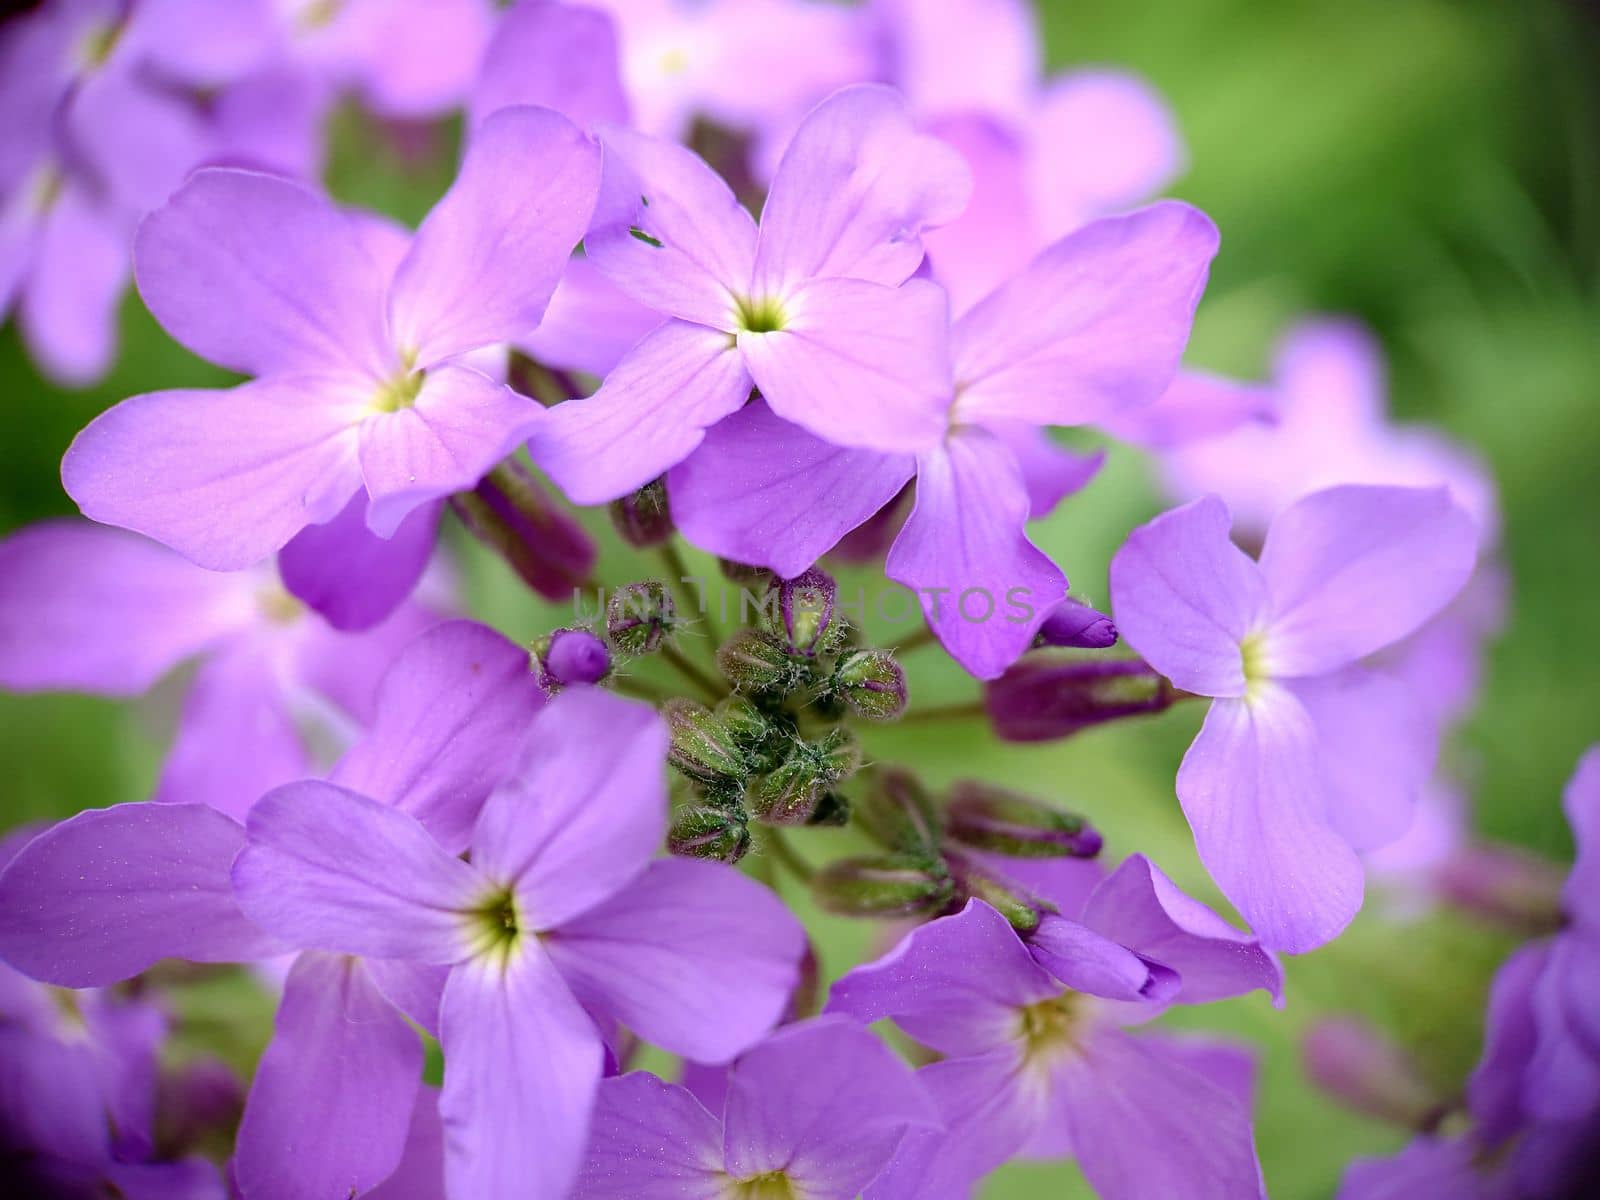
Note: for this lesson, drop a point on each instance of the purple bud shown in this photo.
(513, 514)
(1044, 699)
(702, 748)
(1514, 888)
(1002, 822)
(870, 541)
(644, 518)
(1365, 1071)
(198, 1102)
(574, 656)
(870, 684)
(640, 616)
(711, 832)
(1077, 625)
(755, 662)
(805, 610)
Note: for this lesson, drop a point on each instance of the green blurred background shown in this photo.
(1432, 166)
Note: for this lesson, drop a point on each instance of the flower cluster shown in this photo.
(785, 282)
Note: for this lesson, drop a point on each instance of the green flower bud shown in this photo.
(1014, 902)
(832, 809)
(643, 518)
(991, 818)
(715, 834)
(890, 885)
(804, 611)
(702, 747)
(756, 663)
(640, 616)
(898, 813)
(870, 684)
(792, 792)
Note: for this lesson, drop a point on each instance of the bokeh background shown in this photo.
(1430, 166)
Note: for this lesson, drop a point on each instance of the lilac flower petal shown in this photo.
(136, 173)
(556, 56)
(488, 256)
(953, 984)
(1251, 788)
(668, 231)
(242, 471)
(764, 491)
(1143, 1126)
(237, 738)
(959, 56)
(856, 187)
(995, 237)
(651, 1138)
(332, 1097)
(262, 275)
(1354, 569)
(420, 1175)
(1581, 802)
(271, 120)
(418, 59)
(1562, 1081)
(50, 1102)
(461, 425)
(1196, 406)
(1378, 752)
(450, 715)
(591, 323)
(1095, 326)
(1495, 1089)
(1139, 907)
(966, 539)
(1085, 961)
(186, 1179)
(416, 989)
(825, 1102)
(345, 669)
(68, 313)
(584, 810)
(1050, 472)
(691, 956)
(103, 895)
(92, 609)
(858, 363)
(1186, 597)
(648, 415)
(195, 41)
(522, 1066)
(1428, 1166)
(351, 576)
(1102, 141)
(328, 869)
(1231, 1065)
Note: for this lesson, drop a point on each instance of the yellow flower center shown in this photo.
(496, 925)
(759, 316)
(1052, 1026)
(774, 1185)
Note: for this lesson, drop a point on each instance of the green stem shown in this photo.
(786, 855)
(713, 691)
(947, 712)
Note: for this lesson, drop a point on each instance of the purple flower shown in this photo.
(817, 1109)
(810, 309)
(86, 608)
(1035, 1059)
(1095, 325)
(358, 337)
(575, 656)
(559, 914)
(1306, 755)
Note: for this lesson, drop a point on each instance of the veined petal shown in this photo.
(856, 188)
(1196, 407)
(668, 231)
(1089, 962)
(762, 490)
(558, 56)
(263, 276)
(1050, 472)
(68, 310)
(983, 585)
(691, 956)
(487, 258)
(650, 413)
(328, 869)
(1186, 598)
(351, 576)
(651, 1138)
(591, 323)
(331, 1101)
(858, 363)
(1094, 326)
(1252, 789)
(223, 477)
(1354, 569)
(103, 895)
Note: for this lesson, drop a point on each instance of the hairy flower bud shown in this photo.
(897, 812)
(709, 832)
(804, 610)
(1014, 902)
(640, 616)
(513, 514)
(792, 792)
(756, 662)
(644, 518)
(761, 740)
(1078, 625)
(738, 572)
(569, 656)
(702, 746)
(833, 809)
(1045, 699)
(889, 885)
(870, 684)
(990, 818)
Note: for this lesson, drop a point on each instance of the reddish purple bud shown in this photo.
(515, 516)
(1002, 822)
(574, 656)
(805, 610)
(1077, 625)
(644, 518)
(1514, 888)
(869, 542)
(1044, 699)
(1369, 1074)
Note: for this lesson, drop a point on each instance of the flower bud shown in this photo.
(571, 656)
(197, 1105)
(1014, 902)
(756, 663)
(640, 616)
(644, 518)
(889, 885)
(792, 792)
(516, 517)
(738, 572)
(1041, 700)
(833, 809)
(1074, 624)
(897, 812)
(870, 684)
(702, 747)
(990, 818)
(710, 832)
(1514, 888)
(1365, 1071)
(804, 610)
(761, 740)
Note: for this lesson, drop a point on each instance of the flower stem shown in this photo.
(787, 856)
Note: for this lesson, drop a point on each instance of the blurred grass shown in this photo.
(1429, 166)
